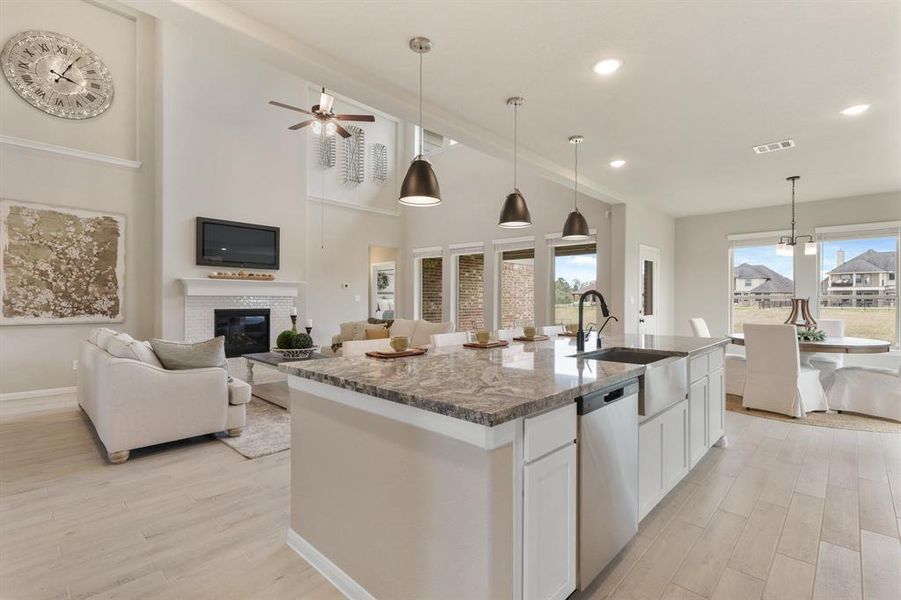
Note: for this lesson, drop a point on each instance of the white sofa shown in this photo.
(353, 334)
(133, 403)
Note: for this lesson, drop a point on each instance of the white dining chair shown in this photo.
(449, 339)
(867, 390)
(827, 363)
(777, 382)
(353, 348)
(552, 330)
(735, 365)
(509, 334)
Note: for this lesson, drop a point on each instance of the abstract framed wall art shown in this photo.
(60, 265)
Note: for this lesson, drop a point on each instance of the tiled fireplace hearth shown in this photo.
(204, 296)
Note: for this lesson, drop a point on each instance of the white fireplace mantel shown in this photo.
(204, 286)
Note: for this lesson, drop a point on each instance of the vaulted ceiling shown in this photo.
(701, 83)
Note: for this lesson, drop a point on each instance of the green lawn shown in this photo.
(877, 323)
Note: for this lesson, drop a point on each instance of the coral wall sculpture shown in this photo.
(379, 168)
(325, 150)
(353, 156)
(60, 265)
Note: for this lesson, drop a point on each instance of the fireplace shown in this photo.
(246, 330)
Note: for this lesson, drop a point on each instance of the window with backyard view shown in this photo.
(858, 284)
(762, 285)
(575, 271)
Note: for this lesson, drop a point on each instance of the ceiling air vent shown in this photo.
(774, 146)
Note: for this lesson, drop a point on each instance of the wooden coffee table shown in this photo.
(275, 392)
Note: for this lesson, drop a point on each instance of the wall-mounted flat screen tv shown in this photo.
(231, 244)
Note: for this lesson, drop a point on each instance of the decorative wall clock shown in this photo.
(57, 74)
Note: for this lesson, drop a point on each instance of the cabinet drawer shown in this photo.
(698, 367)
(548, 431)
(716, 359)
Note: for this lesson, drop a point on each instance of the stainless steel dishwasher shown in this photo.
(608, 475)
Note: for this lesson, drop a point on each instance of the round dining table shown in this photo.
(831, 345)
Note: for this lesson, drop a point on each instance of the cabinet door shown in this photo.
(697, 414)
(675, 444)
(716, 407)
(650, 464)
(549, 526)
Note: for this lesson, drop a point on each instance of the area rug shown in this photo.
(268, 431)
(830, 419)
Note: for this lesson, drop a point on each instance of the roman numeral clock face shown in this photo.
(57, 74)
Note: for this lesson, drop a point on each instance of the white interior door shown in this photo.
(648, 284)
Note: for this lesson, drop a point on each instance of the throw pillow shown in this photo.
(123, 346)
(403, 327)
(104, 335)
(185, 355)
(385, 322)
(347, 331)
(376, 332)
(425, 330)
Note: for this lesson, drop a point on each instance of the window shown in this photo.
(469, 290)
(575, 270)
(857, 283)
(428, 296)
(761, 284)
(517, 288)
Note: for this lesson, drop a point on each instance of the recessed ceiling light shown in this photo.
(608, 66)
(616, 164)
(856, 109)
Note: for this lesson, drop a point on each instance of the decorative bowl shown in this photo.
(295, 352)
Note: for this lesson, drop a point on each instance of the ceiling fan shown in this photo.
(323, 119)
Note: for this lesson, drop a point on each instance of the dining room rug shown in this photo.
(268, 430)
(830, 419)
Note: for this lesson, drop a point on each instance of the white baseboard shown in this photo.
(37, 393)
(341, 580)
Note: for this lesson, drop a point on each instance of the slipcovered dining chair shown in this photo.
(827, 363)
(867, 390)
(449, 339)
(509, 334)
(735, 367)
(552, 330)
(777, 382)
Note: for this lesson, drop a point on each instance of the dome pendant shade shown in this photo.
(420, 186)
(576, 227)
(515, 213)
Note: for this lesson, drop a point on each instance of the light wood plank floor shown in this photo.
(787, 511)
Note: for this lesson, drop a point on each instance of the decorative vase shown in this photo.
(294, 323)
(800, 315)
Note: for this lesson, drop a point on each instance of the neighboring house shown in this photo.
(868, 279)
(759, 285)
(577, 293)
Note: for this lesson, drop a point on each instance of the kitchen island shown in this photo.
(453, 474)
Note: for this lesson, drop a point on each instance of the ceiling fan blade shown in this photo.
(343, 132)
(326, 102)
(301, 125)
(289, 107)
(368, 118)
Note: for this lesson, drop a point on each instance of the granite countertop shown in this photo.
(493, 386)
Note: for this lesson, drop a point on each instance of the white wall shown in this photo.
(39, 357)
(702, 251)
(226, 154)
(473, 188)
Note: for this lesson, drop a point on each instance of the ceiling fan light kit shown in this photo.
(576, 227)
(323, 119)
(515, 211)
(420, 186)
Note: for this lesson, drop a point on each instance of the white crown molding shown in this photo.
(71, 152)
(204, 286)
(352, 206)
(45, 393)
(341, 580)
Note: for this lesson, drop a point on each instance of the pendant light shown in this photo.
(787, 243)
(576, 227)
(515, 213)
(420, 186)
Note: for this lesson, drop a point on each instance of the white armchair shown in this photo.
(735, 366)
(133, 404)
(552, 330)
(777, 382)
(867, 390)
(509, 334)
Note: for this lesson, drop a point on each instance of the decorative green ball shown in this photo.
(285, 340)
(301, 341)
